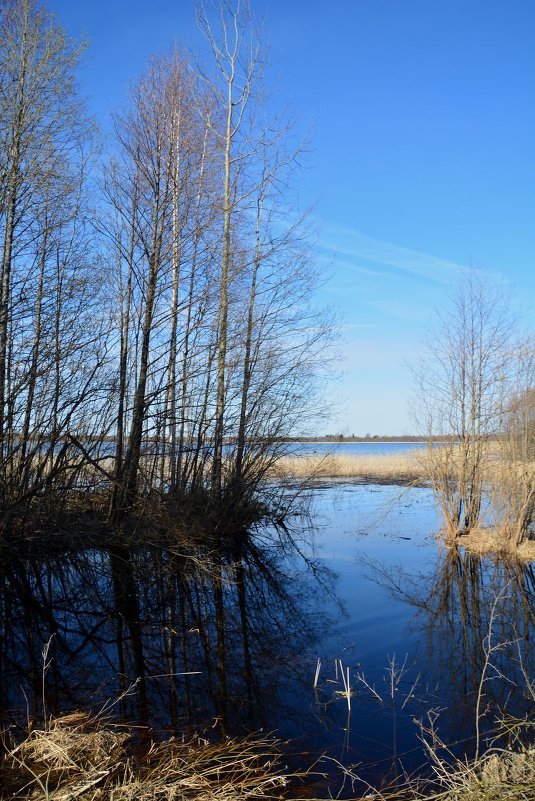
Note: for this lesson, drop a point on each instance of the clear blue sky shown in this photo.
(422, 159)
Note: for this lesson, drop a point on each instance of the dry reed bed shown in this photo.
(410, 465)
(405, 466)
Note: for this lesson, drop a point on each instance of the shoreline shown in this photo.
(84, 756)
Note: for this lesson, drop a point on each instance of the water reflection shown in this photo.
(474, 626)
(179, 635)
(243, 649)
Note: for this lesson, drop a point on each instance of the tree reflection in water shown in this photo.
(475, 629)
(147, 618)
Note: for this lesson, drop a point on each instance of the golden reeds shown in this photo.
(413, 464)
(405, 466)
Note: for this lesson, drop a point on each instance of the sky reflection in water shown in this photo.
(407, 598)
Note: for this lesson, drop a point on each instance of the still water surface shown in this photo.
(415, 631)
(369, 586)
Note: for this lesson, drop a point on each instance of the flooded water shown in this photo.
(426, 633)
(364, 589)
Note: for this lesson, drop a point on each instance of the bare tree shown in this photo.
(513, 475)
(51, 336)
(462, 380)
(234, 45)
(141, 188)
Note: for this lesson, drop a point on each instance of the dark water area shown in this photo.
(361, 584)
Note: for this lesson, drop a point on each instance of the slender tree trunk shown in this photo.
(247, 361)
(32, 377)
(187, 332)
(199, 457)
(223, 296)
(123, 368)
(168, 472)
(133, 454)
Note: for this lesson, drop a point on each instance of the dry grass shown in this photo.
(415, 463)
(498, 775)
(398, 467)
(495, 541)
(78, 757)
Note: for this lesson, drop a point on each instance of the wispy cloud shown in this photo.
(352, 244)
(358, 326)
(331, 258)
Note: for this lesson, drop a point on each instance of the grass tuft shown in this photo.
(78, 757)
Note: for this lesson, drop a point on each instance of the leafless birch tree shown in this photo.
(512, 492)
(51, 336)
(462, 381)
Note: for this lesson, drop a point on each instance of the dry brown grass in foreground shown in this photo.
(502, 775)
(498, 774)
(78, 757)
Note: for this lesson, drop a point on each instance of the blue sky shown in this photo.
(422, 159)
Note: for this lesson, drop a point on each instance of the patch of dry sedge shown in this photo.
(491, 541)
(77, 757)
